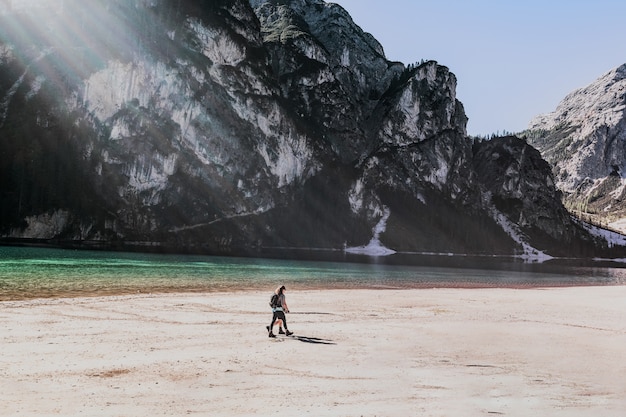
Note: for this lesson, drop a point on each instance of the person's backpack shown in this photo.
(274, 300)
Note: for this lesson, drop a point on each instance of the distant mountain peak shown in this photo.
(584, 140)
(598, 103)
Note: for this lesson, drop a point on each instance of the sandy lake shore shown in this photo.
(417, 352)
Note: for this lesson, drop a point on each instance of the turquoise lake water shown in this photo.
(43, 272)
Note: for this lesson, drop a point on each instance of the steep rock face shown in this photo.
(422, 122)
(330, 70)
(520, 185)
(584, 140)
(401, 129)
(158, 132)
(228, 125)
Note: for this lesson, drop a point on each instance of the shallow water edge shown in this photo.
(32, 272)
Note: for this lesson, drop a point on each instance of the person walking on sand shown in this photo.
(279, 308)
(278, 323)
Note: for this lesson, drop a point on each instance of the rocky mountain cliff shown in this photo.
(584, 140)
(232, 127)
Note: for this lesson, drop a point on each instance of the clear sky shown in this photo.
(513, 59)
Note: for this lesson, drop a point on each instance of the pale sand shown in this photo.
(428, 352)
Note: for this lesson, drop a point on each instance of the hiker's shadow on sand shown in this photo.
(314, 340)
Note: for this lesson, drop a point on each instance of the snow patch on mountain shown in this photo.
(612, 238)
(355, 196)
(375, 246)
(530, 254)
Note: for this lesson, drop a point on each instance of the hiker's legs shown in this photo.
(281, 316)
(274, 317)
(278, 323)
